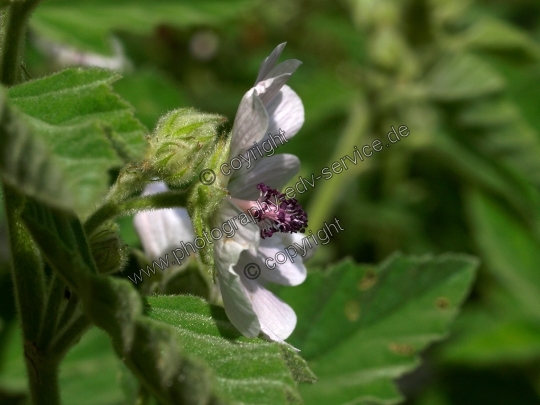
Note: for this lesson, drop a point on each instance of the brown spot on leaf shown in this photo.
(442, 303)
(352, 310)
(403, 349)
(368, 281)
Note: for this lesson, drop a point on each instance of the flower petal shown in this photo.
(269, 88)
(268, 64)
(250, 124)
(277, 319)
(227, 251)
(285, 112)
(161, 231)
(288, 273)
(293, 271)
(289, 66)
(274, 171)
(155, 187)
(245, 235)
(236, 299)
(302, 243)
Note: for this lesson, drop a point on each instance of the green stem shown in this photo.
(12, 41)
(50, 319)
(42, 369)
(42, 376)
(327, 194)
(27, 275)
(27, 267)
(109, 210)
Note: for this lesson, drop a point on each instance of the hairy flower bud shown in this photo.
(181, 143)
(108, 250)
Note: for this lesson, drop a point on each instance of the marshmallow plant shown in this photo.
(62, 137)
(269, 107)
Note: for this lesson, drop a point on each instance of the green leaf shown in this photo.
(86, 126)
(495, 35)
(87, 24)
(485, 172)
(487, 338)
(497, 331)
(516, 146)
(488, 113)
(361, 326)
(26, 163)
(510, 251)
(461, 77)
(149, 348)
(251, 371)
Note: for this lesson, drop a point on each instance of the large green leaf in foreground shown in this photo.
(252, 371)
(26, 162)
(360, 326)
(84, 125)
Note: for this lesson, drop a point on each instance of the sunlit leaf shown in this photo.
(206, 332)
(85, 126)
(26, 162)
(361, 326)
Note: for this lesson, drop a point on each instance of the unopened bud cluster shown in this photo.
(180, 144)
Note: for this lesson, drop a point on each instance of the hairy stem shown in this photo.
(108, 211)
(27, 266)
(30, 297)
(12, 41)
(42, 375)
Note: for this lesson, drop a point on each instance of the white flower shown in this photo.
(161, 231)
(266, 109)
(269, 108)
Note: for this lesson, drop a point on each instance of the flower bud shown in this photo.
(108, 250)
(180, 144)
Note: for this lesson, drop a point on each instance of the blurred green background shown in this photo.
(463, 76)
